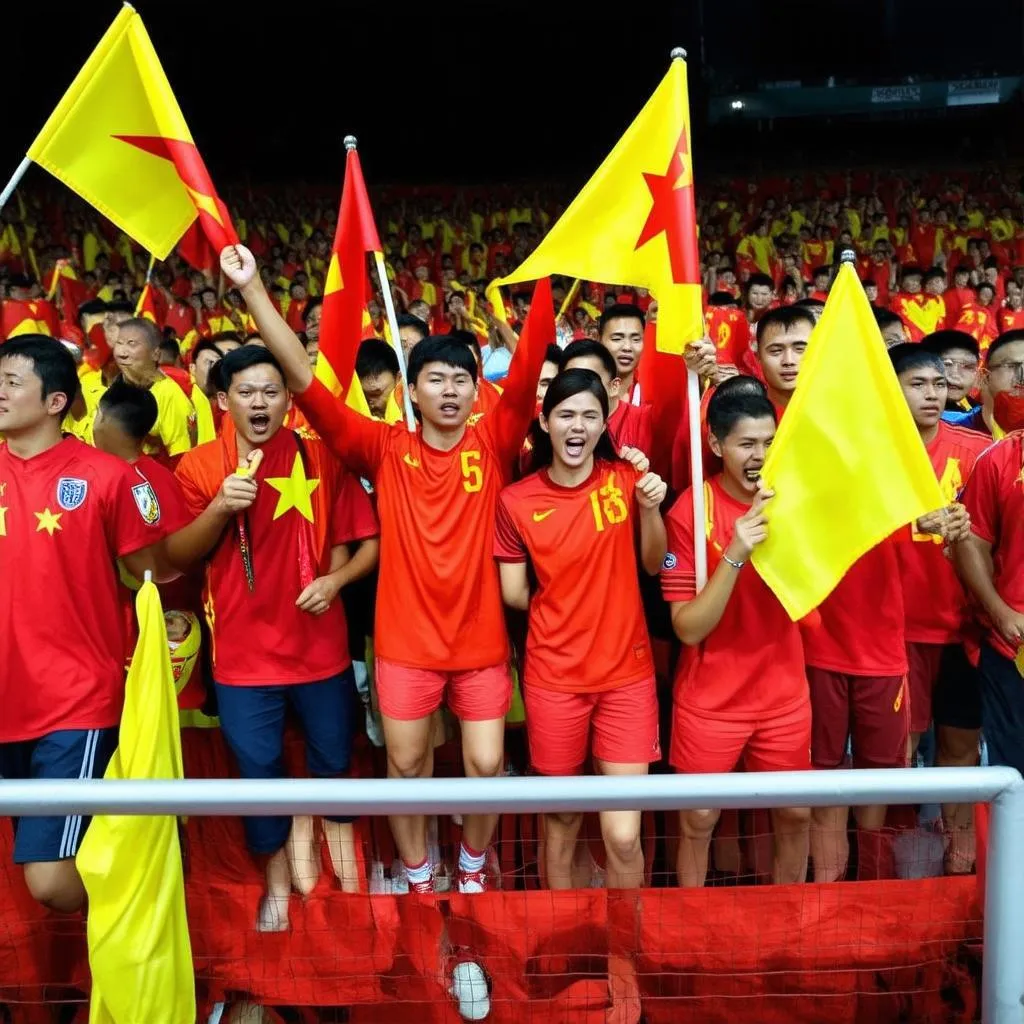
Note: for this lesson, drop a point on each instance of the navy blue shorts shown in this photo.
(68, 754)
(252, 720)
(1002, 709)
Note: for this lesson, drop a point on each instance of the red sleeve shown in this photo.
(508, 544)
(352, 517)
(981, 495)
(508, 424)
(173, 511)
(127, 530)
(193, 493)
(678, 574)
(359, 442)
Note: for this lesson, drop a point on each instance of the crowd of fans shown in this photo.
(509, 550)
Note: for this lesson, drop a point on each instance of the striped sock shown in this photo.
(420, 873)
(470, 860)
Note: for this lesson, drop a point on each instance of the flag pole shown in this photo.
(13, 183)
(389, 307)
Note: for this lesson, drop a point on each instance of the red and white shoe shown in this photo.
(422, 887)
(472, 881)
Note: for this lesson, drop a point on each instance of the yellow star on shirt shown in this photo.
(294, 490)
(48, 521)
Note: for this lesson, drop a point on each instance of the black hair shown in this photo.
(312, 304)
(408, 320)
(620, 311)
(121, 307)
(206, 345)
(911, 270)
(555, 355)
(762, 279)
(133, 409)
(941, 342)
(886, 317)
(741, 384)
(208, 288)
(375, 357)
(171, 347)
(92, 307)
(722, 299)
(936, 273)
(984, 284)
(913, 356)
(442, 348)
(727, 408)
(1004, 339)
(241, 359)
(226, 336)
(784, 317)
(51, 362)
(566, 384)
(584, 348)
(152, 334)
(468, 339)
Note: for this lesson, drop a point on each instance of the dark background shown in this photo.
(484, 91)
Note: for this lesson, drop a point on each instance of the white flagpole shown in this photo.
(700, 548)
(389, 307)
(13, 183)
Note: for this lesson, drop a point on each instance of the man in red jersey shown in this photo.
(274, 541)
(782, 336)
(440, 627)
(67, 513)
(943, 682)
(627, 425)
(621, 331)
(740, 690)
(991, 564)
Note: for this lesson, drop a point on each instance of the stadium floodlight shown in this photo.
(737, 104)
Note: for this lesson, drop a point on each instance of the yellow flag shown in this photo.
(205, 430)
(635, 223)
(139, 951)
(118, 139)
(847, 465)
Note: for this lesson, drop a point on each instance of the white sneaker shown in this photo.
(272, 915)
(469, 987)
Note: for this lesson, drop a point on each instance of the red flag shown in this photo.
(347, 289)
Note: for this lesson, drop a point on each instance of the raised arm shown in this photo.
(239, 266)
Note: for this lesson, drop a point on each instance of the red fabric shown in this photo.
(862, 632)
(662, 380)
(752, 662)
(729, 329)
(68, 513)
(261, 638)
(437, 513)
(631, 426)
(41, 313)
(994, 497)
(933, 597)
(579, 542)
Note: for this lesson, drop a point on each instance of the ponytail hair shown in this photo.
(564, 386)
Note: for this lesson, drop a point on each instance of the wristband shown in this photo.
(735, 565)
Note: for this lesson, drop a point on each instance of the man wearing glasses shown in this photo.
(1001, 384)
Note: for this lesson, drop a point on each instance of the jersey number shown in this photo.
(472, 474)
(607, 505)
(949, 483)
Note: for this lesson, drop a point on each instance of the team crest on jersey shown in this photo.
(146, 502)
(71, 492)
(669, 562)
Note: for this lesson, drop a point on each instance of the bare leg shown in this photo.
(791, 826)
(341, 842)
(620, 831)
(560, 834)
(830, 846)
(410, 756)
(694, 843)
(273, 915)
(303, 855)
(56, 884)
(958, 748)
(483, 755)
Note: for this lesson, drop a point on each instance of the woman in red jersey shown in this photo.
(571, 527)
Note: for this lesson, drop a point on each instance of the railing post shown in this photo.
(1003, 969)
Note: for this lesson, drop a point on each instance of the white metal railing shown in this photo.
(1003, 788)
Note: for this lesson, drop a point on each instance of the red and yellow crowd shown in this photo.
(502, 562)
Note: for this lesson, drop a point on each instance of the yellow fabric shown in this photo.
(839, 444)
(122, 90)
(139, 951)
(175, 419)
(91, 383)
(205, 430)
(497, 301)
(596, 238)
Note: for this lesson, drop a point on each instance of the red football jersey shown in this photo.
(630, 425)
(305, 505)
(438, 598)
(66, 515)
(994, 496)
(587, 631)
(752, 662)
(934, 600)
(862, 631)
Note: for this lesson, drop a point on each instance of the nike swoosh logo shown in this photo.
(539, 517)
(410, 461)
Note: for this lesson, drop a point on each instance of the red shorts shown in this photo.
(408, 694)
(872, 711)
(624, 723)
(703, 744)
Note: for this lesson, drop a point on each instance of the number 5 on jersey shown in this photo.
(472, 474)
